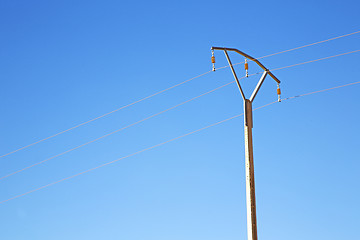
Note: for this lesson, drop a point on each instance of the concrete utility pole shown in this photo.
(248, 125)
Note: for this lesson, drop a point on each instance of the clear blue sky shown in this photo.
(65, 62)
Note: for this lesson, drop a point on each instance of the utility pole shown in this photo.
(248, 125)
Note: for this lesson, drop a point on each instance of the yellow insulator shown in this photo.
(213, 60)
(246, 68)
(278, 91)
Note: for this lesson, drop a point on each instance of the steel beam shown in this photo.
(258, 86)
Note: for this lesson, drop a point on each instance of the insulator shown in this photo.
(246, 68)
(213, 60)
(278, 92)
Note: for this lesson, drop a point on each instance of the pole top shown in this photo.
(249, 57)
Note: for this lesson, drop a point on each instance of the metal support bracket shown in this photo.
(257, 88)
(234, 73)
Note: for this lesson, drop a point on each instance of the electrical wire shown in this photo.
(311, 61)
(162, 91)
(116, 131)
(163, 143)
(324, 90)
(94, 119)
(308, 45)
(166, 110)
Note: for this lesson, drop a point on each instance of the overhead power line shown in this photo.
(324, 90)
(164, 90)
(308, 45)
(315, 60)
(104, 115)
(164, 111)
(168, 141)
(116, 131)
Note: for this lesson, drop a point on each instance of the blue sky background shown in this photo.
(65, 62)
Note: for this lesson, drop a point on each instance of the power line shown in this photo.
(168, 141)
(116, 131)
(164, 90)
(164, 111)
(311, 44)
(319, 59)
(94, 119)
(324, 90)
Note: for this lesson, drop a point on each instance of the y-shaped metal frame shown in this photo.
(249, 156)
